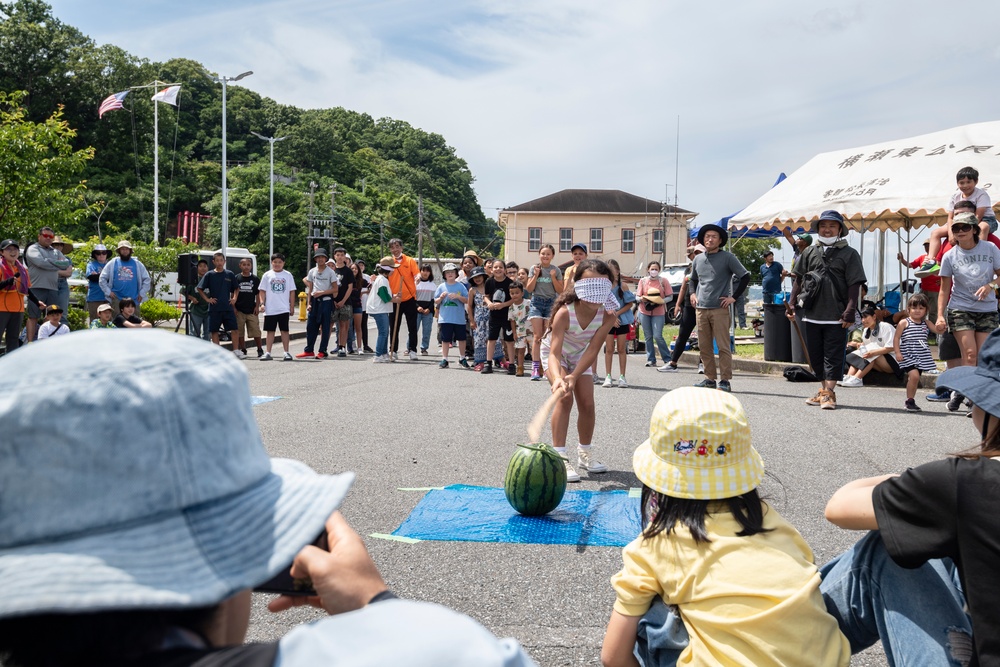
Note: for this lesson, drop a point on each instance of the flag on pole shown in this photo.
(111, 102)
(168, 95)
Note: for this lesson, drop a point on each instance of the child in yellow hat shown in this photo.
(712, 553)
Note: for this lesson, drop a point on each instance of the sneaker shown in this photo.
(266, 356)
(955, 402)
(911, 405)
(479, 367)
(240, 354)
(571, 474)
(321, 355)
(597, 379)
(928, 268)
(380, 359)
(701, 368)
(355, 352)
(335, 350)
(589, 464)
(706, 384)
(934, 397)
(852, 381)
(827, 400)
(621, 382)
(725, 386)
(607, 382)
(512, 369)
(304, 355)
(487, 369)
(287, 357)
(368, 350)
(443, 363)
(815, 400)
(342, 354)
(535, 375)
(668, 368)
(464, 362)
(520, 372)
(413, 355)
(260, 353)
(423, 352)
(650, 363)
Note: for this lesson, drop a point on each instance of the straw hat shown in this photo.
(698, 447)
(475, 257)
(653, 295)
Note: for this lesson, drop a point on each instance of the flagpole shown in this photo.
(156, 168)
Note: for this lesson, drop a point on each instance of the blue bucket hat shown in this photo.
(184, 512)
(830, 215)
(979, 383)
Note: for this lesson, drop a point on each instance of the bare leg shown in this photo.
(357, 332)
(284, 339)
(935, 241)
(912, 382)
(32, 327)
(270, 341)
(609, 353)
(538, 328)
(584, 392)
(622, 354)
(560, 415)
(967, 344)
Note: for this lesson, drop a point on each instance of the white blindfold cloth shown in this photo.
(597, 290)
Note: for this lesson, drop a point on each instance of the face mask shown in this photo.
(827, 240)
(596, 290)
(653, 273)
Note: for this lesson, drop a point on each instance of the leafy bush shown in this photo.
(156, 311)
(77, 319)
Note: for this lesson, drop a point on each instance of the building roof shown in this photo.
(595, 201)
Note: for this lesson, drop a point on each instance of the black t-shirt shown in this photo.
(355, 299)
(121, 319)
(247, 298)
(220, 286)
(498, 291)
(345, 279)
(950, 508)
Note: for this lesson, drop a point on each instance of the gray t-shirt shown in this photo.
(712, 275)
(322, 280)
(969, 270)
(44, 265)
(543, 287)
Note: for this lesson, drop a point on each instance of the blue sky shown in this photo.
(541, 96)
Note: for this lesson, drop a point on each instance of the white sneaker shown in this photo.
(287, 357)
(413, 355)
(589, 464)
(571, 474)
(266, 356)
(239, 354)
(667, 368)
(383, 359)
(701, 368)
(851, 381)
(607, 382)
(621, 382)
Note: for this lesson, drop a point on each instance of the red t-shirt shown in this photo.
(931, 283)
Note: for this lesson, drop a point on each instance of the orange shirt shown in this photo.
(12, 300)
(401, 281)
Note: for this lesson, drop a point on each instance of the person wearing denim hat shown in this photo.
(932, 526)
(145, 552)
(714, 553)
(835, 269)
(95, 295)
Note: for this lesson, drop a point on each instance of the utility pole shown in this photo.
(420, 230)
(333, 202)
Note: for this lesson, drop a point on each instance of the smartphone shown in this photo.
(284, 583)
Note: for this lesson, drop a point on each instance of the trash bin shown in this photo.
(798, 354)
(777, 334)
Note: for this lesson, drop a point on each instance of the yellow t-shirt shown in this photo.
(744, 600)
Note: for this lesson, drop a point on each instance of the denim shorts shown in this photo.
(541, 307)
(967, 320)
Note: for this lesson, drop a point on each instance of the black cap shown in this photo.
(9, 242)
(53, 308)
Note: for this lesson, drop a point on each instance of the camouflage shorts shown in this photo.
(967, 320)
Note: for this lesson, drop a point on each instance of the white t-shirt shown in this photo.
(47, 330)
(276, 287)
(969, 270)
(882, 336)
(322, 280)
(979, 197)
(375, 304)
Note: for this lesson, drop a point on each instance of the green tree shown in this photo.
(751, 253)
(39, 172)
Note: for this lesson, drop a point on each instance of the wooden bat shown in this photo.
(538, 421)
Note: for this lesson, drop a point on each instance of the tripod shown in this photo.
(185, 316)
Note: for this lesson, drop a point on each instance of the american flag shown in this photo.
(111, 102)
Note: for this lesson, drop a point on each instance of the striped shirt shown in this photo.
(913, 346)
(575, 340)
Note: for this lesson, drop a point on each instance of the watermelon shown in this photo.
(536, 479)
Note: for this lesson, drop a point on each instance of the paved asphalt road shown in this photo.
(411, 424)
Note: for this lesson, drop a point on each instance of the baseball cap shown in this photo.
(581, 246)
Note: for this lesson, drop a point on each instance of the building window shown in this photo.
(628, 240)
(534, 239)
(565, 239)
(657, 241)
(596, 239)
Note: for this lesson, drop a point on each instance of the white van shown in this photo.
(233, 257)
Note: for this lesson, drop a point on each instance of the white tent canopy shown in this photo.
(889, 185)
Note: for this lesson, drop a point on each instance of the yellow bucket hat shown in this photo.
(698, 447)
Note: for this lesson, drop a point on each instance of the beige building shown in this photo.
(613, 224)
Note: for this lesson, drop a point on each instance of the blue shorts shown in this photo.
(451, 333)
(541, 307)
(221, 318)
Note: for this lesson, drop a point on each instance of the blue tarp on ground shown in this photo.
(463, 513)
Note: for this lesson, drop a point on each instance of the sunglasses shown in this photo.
(47, 236)
(961, 227)
(100, 252)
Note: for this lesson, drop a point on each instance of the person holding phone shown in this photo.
(149, 552)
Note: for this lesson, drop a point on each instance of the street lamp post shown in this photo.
(270, 236)
(225, 193)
